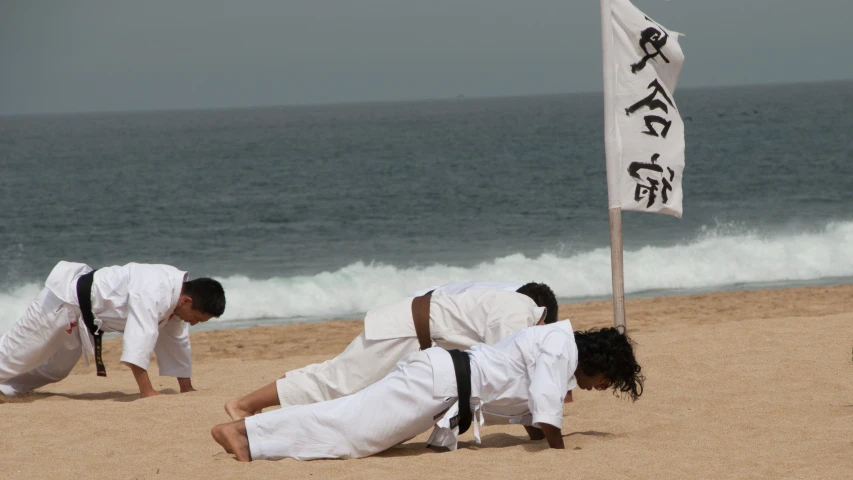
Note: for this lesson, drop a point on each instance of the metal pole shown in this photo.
(616, 269)
(612, 153)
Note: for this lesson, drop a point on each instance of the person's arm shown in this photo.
(509, 312)
(549, 386)
(174, 354)
(140, 336)
(553, 434)
(534, 433)
(141, 376)
(186, 385)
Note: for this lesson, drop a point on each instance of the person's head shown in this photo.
(544, 297)
(201, 299)
(605, 360)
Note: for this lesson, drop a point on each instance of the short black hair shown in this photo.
(544, 297)
(610, 352)
(207, 294)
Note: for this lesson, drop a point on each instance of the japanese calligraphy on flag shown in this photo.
(649, 132)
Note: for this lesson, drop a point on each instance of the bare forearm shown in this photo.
(142, 380)
(534, 433)
(553, 434)
(186, 385)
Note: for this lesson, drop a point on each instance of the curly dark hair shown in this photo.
(610, 352)
(207, 294)
(544, 297)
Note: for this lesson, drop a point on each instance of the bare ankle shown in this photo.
(234, 439)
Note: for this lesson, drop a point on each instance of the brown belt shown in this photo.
(420, 315)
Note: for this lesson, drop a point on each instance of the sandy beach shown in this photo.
(752, 384)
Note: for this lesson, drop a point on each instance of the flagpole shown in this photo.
(616, 269)
(611, 152)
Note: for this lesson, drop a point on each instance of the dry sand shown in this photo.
(739, 385)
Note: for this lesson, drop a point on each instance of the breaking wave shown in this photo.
(716, 258)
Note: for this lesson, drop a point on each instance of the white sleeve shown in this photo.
(140, 331)
(550, 381)
(173, 349)
(507, 316)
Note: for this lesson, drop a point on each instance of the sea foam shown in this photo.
(716, 258)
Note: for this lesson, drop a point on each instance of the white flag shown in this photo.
(647, 138)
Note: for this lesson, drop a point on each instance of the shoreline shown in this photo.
(330, 337)
(830, 282)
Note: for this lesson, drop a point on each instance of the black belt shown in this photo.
(462, 367)
(84, 297)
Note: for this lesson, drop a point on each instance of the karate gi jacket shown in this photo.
(458, 320)
(138, 300)
(522, 379)
(452, 288)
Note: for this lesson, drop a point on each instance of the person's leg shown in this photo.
(57, 367)
(41, 332)
(397, 408)
(242, 407)
(363, 363)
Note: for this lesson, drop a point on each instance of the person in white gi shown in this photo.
(457, 320)
(539, 292)
(523, 378)
(152, 304)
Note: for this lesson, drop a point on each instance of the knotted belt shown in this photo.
(462, 367)
(84, 298)
(420, 315)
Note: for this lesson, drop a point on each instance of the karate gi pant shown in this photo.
(363, 363)
(397, 408)
(42, 347)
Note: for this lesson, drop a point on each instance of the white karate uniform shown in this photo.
(456, 321)
(521, 380)
(464, 287)
(137, 299)
(525, 376)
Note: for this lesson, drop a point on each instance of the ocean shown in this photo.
(315, 212)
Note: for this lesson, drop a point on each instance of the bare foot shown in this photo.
(232, 408)
(232, 437)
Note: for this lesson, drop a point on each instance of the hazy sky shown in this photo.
(92, 55)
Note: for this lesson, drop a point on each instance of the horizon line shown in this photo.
(458, 97)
